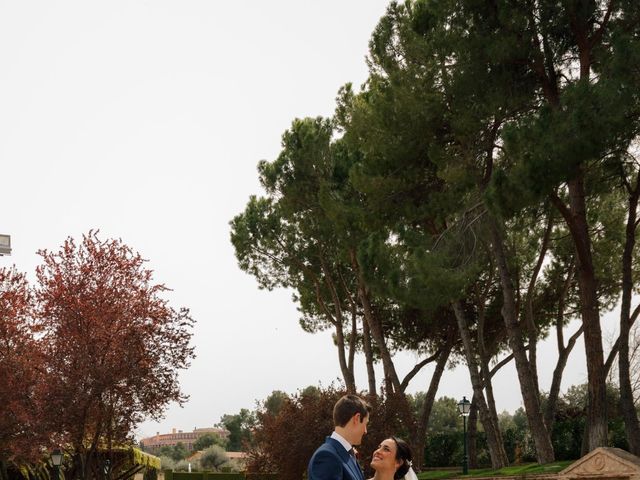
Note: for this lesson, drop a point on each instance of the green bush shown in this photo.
(444, 449)
(214, 458)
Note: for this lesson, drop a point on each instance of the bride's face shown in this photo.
(384, 458)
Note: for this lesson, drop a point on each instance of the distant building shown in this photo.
(155, 443)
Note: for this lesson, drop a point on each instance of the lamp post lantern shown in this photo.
(464, 407)
(56, 461)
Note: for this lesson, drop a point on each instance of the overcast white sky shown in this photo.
(146, 119)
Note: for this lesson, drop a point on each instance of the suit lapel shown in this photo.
(346, 458)
(354, 464)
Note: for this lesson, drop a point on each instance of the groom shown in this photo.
(335, 459)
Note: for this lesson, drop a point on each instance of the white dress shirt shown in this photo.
(347, 446)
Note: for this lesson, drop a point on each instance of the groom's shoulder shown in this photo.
(327, 446)
(325, 463)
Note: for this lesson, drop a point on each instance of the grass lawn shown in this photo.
(517, 470)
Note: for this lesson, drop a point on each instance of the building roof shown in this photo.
(180, 434)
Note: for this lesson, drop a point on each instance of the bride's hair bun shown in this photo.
(403, 452)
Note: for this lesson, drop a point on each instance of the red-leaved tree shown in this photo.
(112, 345)
(21, 435)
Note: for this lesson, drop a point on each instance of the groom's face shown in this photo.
(360, 427)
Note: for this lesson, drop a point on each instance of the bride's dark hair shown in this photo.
(403, 453)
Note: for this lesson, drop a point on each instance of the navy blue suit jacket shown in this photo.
(332, 462)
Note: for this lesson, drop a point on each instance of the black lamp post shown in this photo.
(464, 406)
(107, 468)
(56, 461)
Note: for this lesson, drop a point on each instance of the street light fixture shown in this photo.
(56, 461)
(464, 407)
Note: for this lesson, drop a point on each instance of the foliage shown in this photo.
(518, 443)
(214, 458)
(443, 446)
(181, 466)
(113, 344)
(178, 452)
(21, 368)
(166, 462)
(209, 439)
(569, 425)
(274, 402)
(445, 416)
(486, 162)
(513, 471)
(444, 449)
(240, 427)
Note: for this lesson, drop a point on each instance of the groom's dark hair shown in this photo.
(347, 407)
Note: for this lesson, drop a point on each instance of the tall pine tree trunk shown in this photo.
(347, 373)
(563, 352)
(632, 427)
(429, 399)
(554, 390)
(368, 356)
(528, 387)
(338, 321)
(494, 438)
(4, 475)
(532, 329)
(576, 219)
(375, 327)
(472, 434)
(485, 370)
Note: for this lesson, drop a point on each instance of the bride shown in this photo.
(392, 460)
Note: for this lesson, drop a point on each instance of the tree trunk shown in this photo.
(576, 219)
(554, 391)
(392, 382)
(563, 352)
(368, 355)
(423, 424)
(616, 345)
(472, 434)
(632, 426)
(353, 340)
(338, 322)
(486, 371)
(4, 475)
(532, 329)
(375, 328)
(347, 374)
(494, 438)
(530, 394)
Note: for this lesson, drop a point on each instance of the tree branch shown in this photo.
(414, 371)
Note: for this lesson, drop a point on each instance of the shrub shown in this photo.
(443, 449)
(167, 463)
(214, 459)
